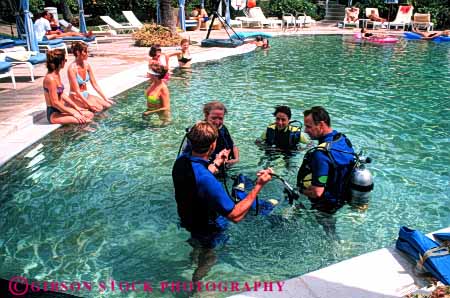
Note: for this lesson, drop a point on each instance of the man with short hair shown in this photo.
(44, 31)
(325, 171)
(203, 205)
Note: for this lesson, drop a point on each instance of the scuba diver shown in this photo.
(203, 205)
(281, 139)
(214, 112)
(327, 170)
(281, 134)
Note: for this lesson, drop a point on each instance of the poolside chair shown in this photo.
(422, 21)
(256, 16)
(119, 28)
(403, 17)
(375, 24)
(48, 45)
(132, 19)
(22, 57)
(45, 45)
(6, 71)
(305, 21)
(103, 31)
(350, 13)
(288, 20)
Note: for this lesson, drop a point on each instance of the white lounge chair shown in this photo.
(103, 31)
(403, 17)
(348, 14)
(6, 71)
(305, 21)
(422, 21)
(132, 19)
(119, 28)
(288, 20)
(375, 24)
(256, 16)
(21, 57)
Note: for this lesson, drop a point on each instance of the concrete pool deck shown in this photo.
(384, 273)
(119, 66)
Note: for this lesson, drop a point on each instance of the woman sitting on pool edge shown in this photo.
(80, 73)
(60, 108)
(157, 94)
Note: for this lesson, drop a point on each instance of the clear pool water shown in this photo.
(96, 206)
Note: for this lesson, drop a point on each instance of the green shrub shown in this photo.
(277, 8)
(155, 34)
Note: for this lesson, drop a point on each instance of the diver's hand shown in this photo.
(231, 162)
(264, 176)
(222, 157)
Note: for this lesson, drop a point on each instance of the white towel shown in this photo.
(21, 56)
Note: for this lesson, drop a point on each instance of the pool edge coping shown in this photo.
(30, 129)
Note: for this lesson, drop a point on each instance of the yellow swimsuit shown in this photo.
(153, 100)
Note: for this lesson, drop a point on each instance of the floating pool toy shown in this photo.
(245, 35)
(221, 43)
(415, 36)
(376, 39)
(412, 36)
(388, 39)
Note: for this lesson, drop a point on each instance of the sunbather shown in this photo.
(44, 31)
(351, 15)
(375, 17)
(54, 25)
(200, 15)
(80, 73)
(60, 108)
(432, 34)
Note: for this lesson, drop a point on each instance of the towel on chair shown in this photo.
(405, 9)
(21, 56)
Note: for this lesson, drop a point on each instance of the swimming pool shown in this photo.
(96, 206)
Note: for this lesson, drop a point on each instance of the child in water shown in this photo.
(158, 57)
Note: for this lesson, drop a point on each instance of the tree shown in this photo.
(167, 15)
(67, 13)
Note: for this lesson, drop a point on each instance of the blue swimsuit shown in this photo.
(82, 82)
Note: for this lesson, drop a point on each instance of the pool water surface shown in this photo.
(97, 206)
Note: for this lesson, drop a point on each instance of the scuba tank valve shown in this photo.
(361, 182)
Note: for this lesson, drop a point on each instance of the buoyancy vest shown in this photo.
(286, 139)
(194, 216)
(339, 151)
(224, 141)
